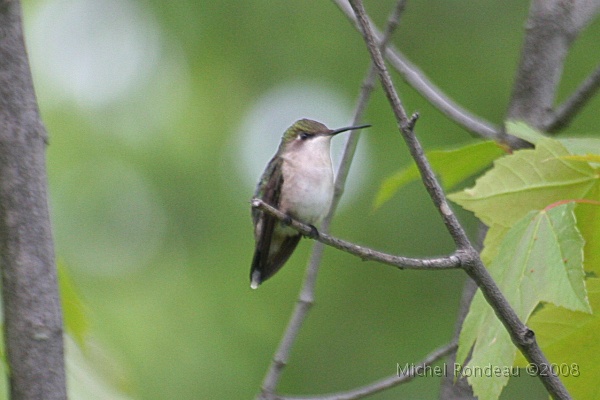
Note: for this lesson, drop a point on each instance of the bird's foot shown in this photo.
(314, 232)
(287, 220)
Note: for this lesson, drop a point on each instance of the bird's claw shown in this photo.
(314, 232)
(287, 220)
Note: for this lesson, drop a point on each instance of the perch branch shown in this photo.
(521, 336)
(366, 254)
(306, 298)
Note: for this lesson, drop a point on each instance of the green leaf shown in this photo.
(588, 217)
(582, 149)
(523, 131)
(491, 243)
(452, 166)
(570, 340)
(595, 158)
(582, 146)
(540, 260)
(526, 180)
(75, 318)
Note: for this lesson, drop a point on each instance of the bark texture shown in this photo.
(31, 302)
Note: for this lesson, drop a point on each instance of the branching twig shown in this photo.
(565, 113)
(552, 25)
(422, 84)
(522, 336)
(385, 383)
(466, 256)
(307, 292)
(450, 262)
(404, 123)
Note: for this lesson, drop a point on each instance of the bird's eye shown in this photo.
(303, 135)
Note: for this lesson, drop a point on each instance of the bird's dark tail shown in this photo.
(264, 267)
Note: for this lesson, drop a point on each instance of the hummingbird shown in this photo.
(299, 182)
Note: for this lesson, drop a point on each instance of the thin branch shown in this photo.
(552, 25)
(306, 298)
(453, 261)
(453, 388)
(404, 123)
(383, 384)
(521, 336)
(423, 85)
(565, 113)
(366, 89)
(584, 12)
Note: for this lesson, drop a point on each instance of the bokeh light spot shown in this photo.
(93, 51)
(260, 131)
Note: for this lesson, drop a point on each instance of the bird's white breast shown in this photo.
(308, 182)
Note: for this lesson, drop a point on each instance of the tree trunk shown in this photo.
(31, 302)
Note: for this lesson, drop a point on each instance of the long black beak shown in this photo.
(348, 128)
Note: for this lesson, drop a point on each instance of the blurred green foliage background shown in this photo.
(162, 115)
